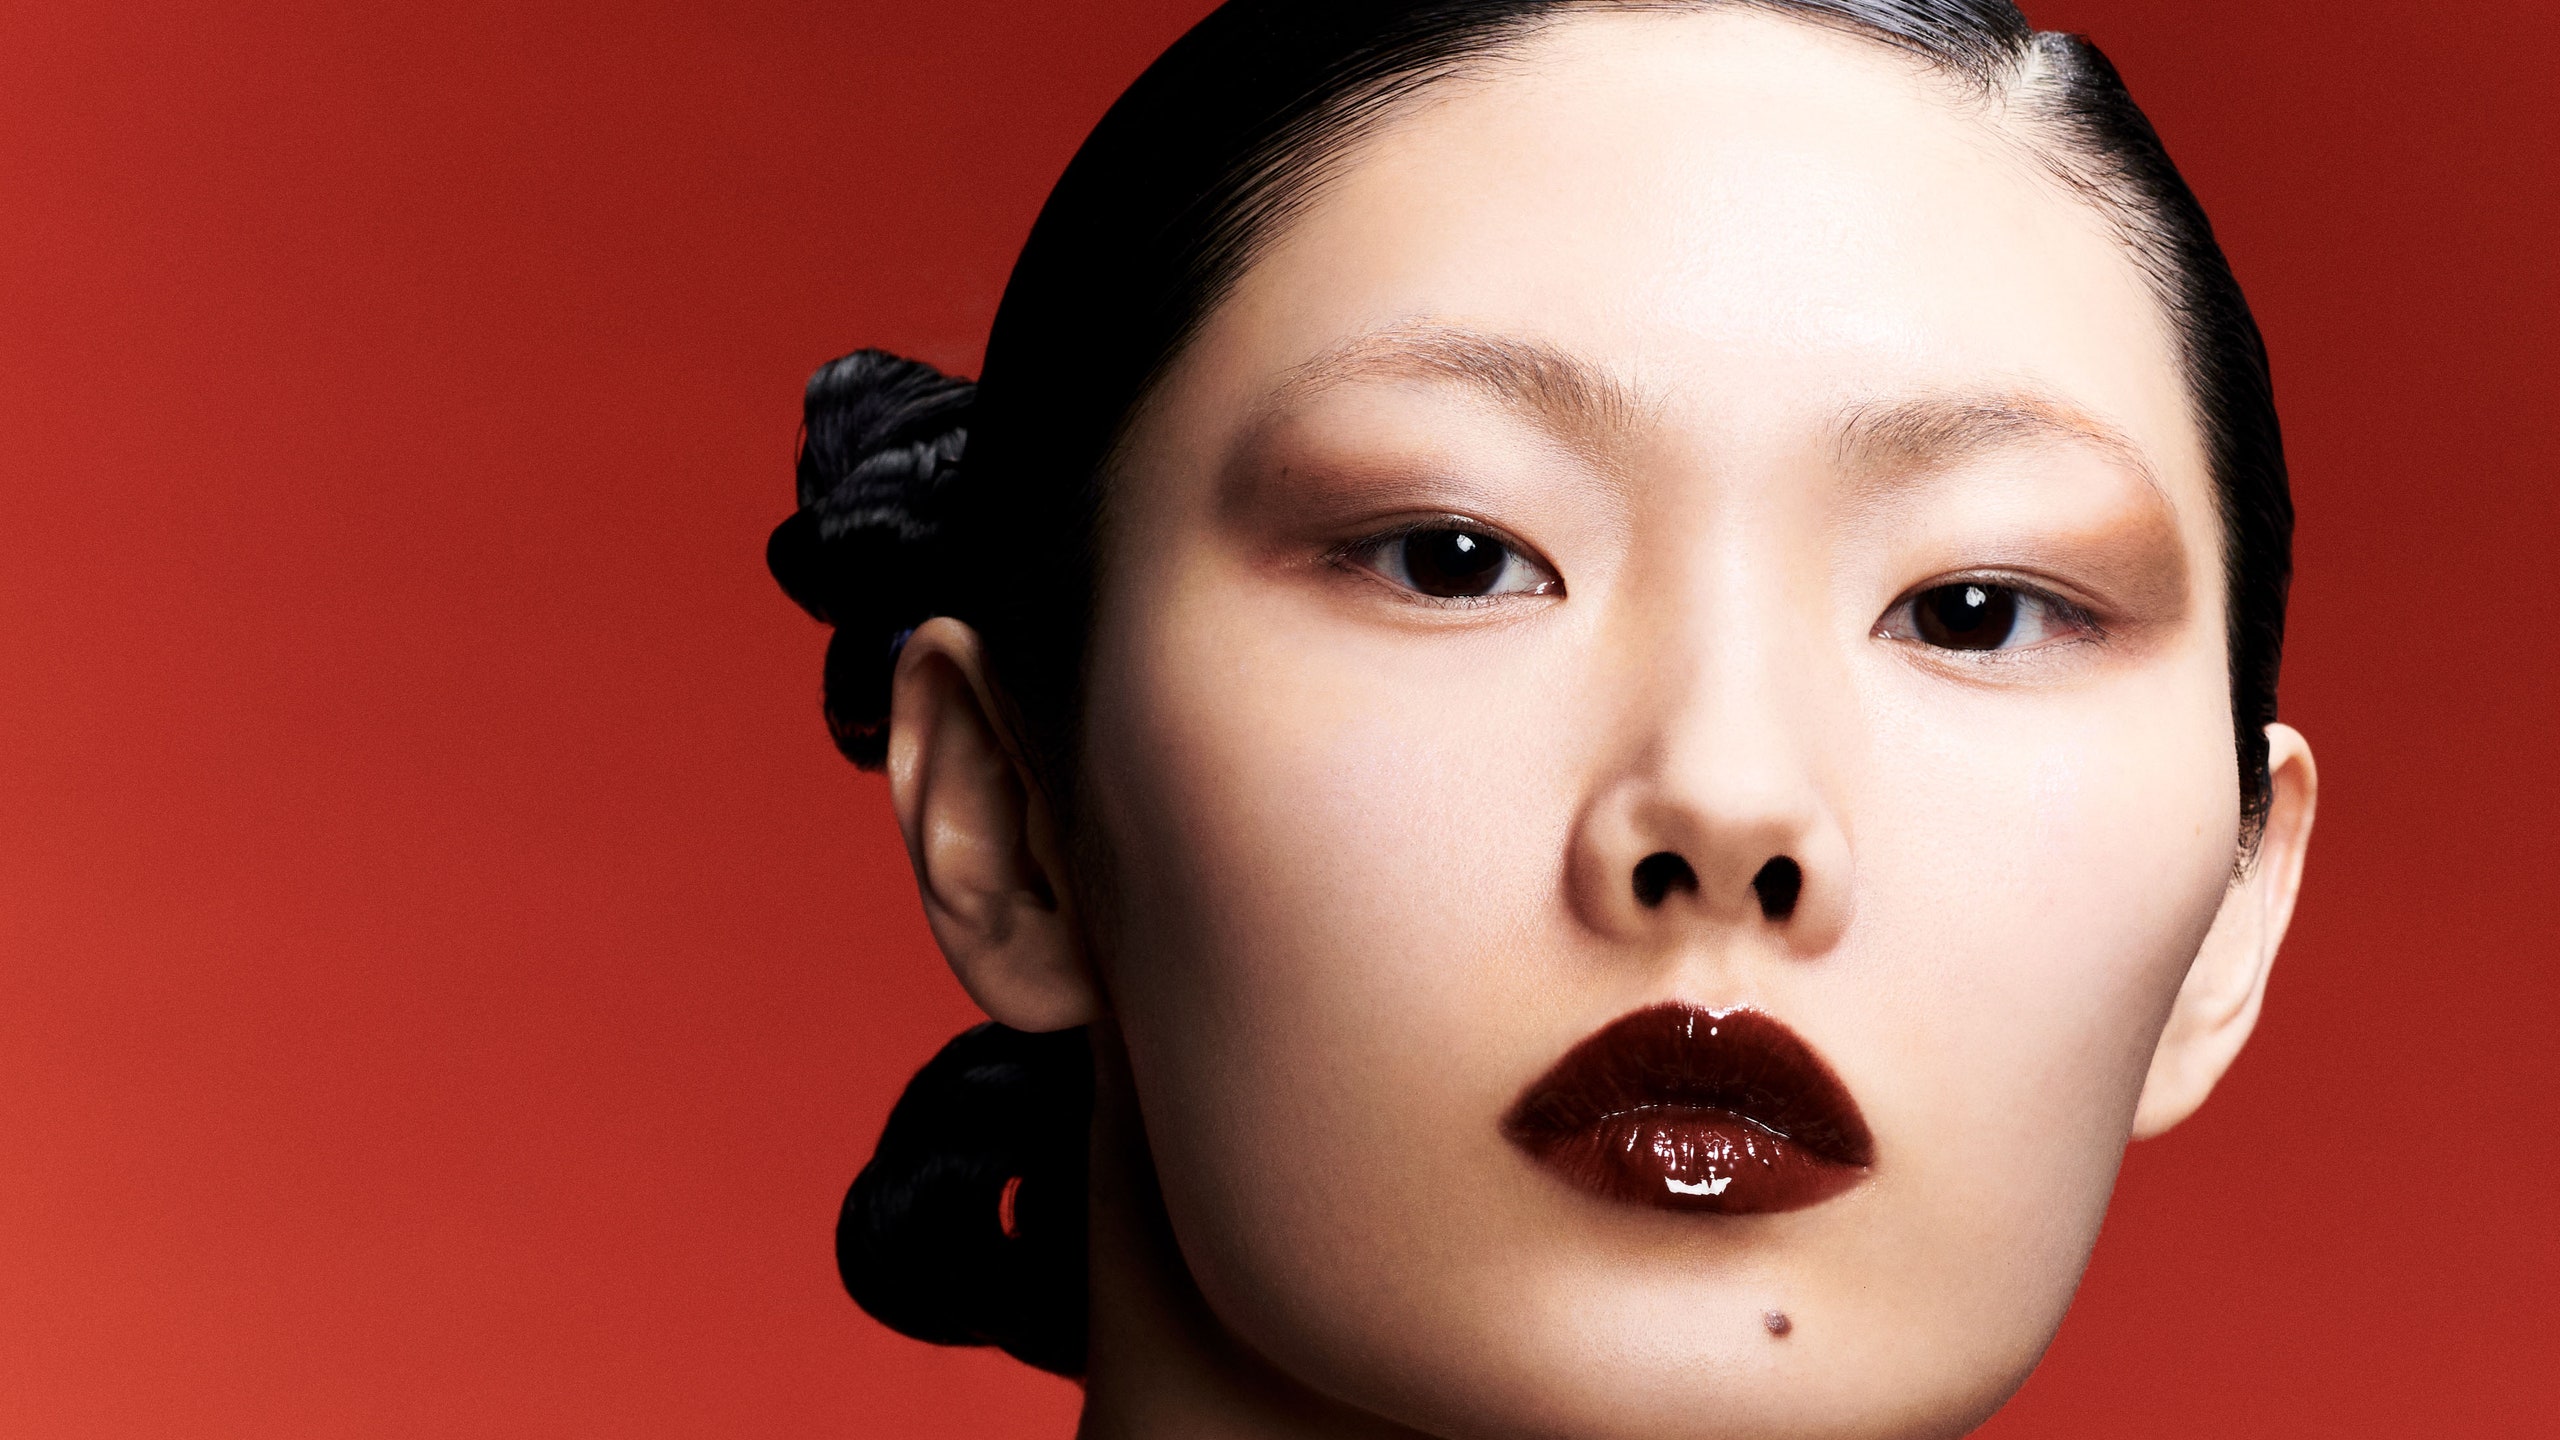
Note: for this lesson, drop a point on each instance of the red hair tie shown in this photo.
(1004, 1209)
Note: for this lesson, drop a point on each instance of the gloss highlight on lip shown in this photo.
(1718, 1111)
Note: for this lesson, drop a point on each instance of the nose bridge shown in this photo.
(1728, 728)
(1721, 804)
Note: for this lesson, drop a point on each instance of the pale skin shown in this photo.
(1737, 334)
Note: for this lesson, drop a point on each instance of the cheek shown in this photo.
(1337, 858)
(2033, 882)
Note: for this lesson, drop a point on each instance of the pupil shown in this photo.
(1967, 617)
(1453, 562)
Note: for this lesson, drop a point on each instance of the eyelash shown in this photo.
(1387, 556)
(1965, 606)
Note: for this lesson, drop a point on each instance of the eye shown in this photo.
(1985, 615)
(1451, 560)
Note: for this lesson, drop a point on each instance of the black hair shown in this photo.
(981, 1242)
(923, 495)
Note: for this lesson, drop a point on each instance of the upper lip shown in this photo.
(1740, 1061)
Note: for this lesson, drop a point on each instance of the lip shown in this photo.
(1725, 1112)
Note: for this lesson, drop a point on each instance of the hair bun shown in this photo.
(923, 1242)
(881, 437)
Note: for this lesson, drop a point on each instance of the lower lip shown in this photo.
(1697, 1159)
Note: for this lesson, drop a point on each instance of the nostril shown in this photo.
(1660, 873)
(1778, 884)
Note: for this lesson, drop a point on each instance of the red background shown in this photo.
(446, 980)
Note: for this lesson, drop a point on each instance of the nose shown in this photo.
(1717, 815)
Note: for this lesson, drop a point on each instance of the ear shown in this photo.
(2217, 1007)
(988, 857)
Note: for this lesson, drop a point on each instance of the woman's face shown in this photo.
(1704, 436)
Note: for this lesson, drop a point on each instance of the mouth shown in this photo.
(1725, 1112)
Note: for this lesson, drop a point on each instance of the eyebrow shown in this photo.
(1879, 441)
(1595, 412)
(1578, 403)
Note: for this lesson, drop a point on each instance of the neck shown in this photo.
(1159, 1364)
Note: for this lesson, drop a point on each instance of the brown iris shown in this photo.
(1454, 562)
(1965, 616)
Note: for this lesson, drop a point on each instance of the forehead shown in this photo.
(1752, 222)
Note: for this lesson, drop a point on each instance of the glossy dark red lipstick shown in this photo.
(1724, 1111)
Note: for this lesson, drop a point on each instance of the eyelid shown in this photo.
(2052, 592)
(1400, 529)
(1443, 520)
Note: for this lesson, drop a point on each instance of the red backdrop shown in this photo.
(446, 980)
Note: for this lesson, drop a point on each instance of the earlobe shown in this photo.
(2217, 1006)
(988, 859)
